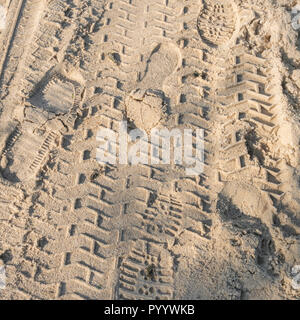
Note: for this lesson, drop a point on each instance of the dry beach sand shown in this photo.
(71, 228)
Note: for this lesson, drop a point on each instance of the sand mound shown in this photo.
(146, 108)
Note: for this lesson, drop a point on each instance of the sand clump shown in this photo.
(146, 108)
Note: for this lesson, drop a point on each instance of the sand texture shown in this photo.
(72, 228)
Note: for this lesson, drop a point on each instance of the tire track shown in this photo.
(114, 209)
(16, 7)
(25, 19)
(246, 150)
(104, 216)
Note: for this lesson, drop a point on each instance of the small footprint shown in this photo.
(163, 61)
(217, 22)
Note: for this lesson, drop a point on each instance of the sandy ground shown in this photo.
(71, 228)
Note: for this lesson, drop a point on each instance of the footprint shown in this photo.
(56, 95)
(217, 22)
(22, 162)
(146, 105)
(163, 61)
(59, 96)
(147, 272)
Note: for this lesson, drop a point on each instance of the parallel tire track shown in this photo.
(250, 107)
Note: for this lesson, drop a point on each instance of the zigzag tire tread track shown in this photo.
(246, 101)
